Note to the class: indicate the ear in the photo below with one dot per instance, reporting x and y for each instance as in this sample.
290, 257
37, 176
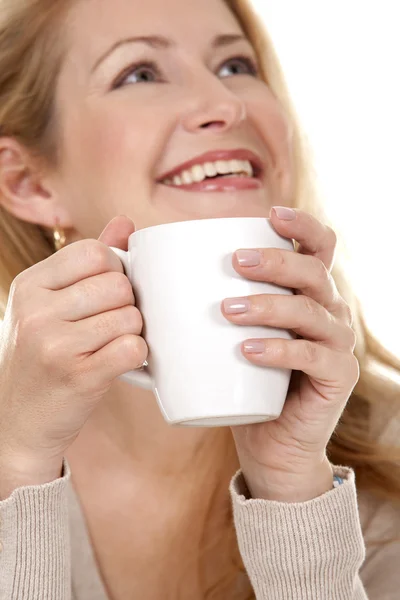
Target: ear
25, 191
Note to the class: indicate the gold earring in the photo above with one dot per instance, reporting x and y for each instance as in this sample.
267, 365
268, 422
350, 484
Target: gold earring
59, 236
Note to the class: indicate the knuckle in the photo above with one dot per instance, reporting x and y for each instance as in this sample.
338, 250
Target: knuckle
122, 320
105, 322
82, 293
310, 352
20, 289
263, 304
347, 313
275, 260
133, 318
96, 254
123, 287
135, 349
17, 283
311, 306
332, 236
278, 350
51, 352
281, 349
321, 272
30, 324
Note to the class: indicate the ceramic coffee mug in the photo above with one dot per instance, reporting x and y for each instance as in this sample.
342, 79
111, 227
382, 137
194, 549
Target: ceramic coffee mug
180, 274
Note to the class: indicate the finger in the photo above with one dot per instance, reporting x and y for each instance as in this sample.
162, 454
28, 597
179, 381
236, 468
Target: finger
92, 296
307, 274
123, 354
335, 371
93, 333
71, 264
117, 232
313, 236
301, 314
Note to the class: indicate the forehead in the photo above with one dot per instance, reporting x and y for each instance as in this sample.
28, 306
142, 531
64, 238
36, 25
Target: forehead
93, 25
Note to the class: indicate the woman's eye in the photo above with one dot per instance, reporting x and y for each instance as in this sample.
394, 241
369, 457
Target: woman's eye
148, 72
140, 73
240, 65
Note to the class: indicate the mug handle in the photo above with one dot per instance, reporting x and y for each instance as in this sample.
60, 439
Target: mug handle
140, 378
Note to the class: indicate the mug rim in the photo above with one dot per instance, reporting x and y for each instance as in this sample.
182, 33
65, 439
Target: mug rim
197, 221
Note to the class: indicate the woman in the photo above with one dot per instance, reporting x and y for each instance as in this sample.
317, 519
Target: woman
99, 497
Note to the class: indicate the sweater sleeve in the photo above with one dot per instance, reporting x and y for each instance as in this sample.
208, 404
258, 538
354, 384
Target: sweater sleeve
34, 542
302, 550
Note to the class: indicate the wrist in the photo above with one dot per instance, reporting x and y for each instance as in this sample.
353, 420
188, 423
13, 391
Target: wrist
292, 487
21, 471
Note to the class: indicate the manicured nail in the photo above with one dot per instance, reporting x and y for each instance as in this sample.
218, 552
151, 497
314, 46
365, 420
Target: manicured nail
254, 346
235, 306
248, 258
284, 213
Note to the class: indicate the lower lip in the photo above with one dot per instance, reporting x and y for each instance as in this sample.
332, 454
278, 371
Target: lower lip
223, 184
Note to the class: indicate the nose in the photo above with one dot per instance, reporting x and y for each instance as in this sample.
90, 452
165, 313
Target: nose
213, 106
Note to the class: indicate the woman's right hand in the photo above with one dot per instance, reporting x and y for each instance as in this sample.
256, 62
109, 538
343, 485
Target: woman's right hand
70, 329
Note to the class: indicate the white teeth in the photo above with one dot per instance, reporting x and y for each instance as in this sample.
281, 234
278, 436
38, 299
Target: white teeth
210, 169
187, 177
247, 167
223, 167
235, 166
177, 180
199, 173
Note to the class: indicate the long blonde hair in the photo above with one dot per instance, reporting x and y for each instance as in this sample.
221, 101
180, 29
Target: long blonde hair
30, 59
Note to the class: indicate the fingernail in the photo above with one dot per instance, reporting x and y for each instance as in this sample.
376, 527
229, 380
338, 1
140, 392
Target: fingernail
248, 258
284, 213
254, 346
235, 306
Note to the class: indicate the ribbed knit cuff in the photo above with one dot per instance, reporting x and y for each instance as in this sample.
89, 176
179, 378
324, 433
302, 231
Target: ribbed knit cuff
35, 547
302, 551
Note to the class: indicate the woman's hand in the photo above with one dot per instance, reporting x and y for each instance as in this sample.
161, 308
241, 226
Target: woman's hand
70, 328
285, 459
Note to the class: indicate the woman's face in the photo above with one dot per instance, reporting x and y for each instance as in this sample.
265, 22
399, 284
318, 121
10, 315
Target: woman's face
148, 86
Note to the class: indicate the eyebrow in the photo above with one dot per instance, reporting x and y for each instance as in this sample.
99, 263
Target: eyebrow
158, 41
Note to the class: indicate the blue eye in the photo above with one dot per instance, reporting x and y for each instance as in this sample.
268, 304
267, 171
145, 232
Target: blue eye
240, 65
144, 72
148, 71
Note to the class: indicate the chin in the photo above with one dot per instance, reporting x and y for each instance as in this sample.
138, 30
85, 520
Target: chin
183, 205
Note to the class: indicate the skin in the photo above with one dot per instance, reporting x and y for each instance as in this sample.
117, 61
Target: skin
114, 144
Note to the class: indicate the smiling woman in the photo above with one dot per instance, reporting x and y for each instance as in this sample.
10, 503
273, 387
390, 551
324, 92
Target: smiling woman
105, 113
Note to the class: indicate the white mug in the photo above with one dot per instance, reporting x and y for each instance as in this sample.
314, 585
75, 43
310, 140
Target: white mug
180, 274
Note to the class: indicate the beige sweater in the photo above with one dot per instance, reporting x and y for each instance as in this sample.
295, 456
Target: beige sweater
305, 551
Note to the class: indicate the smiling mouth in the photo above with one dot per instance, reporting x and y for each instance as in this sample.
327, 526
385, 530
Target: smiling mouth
228, 174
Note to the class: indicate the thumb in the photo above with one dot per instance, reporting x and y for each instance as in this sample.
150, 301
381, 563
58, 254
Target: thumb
117, 232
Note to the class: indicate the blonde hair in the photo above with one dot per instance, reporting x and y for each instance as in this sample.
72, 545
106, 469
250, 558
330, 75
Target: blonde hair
30, 59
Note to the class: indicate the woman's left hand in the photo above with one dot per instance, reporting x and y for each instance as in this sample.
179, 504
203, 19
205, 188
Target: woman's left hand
285, 459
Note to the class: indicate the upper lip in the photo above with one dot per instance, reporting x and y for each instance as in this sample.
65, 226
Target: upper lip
214, 155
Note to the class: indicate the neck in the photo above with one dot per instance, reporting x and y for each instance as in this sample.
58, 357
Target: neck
128, 430
127, 453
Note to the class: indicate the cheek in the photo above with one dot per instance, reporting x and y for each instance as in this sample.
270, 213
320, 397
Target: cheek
276, 131
110, 150
272, 121
112, 141
104, 140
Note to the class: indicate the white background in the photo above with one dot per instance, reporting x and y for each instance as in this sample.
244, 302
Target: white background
342, 63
